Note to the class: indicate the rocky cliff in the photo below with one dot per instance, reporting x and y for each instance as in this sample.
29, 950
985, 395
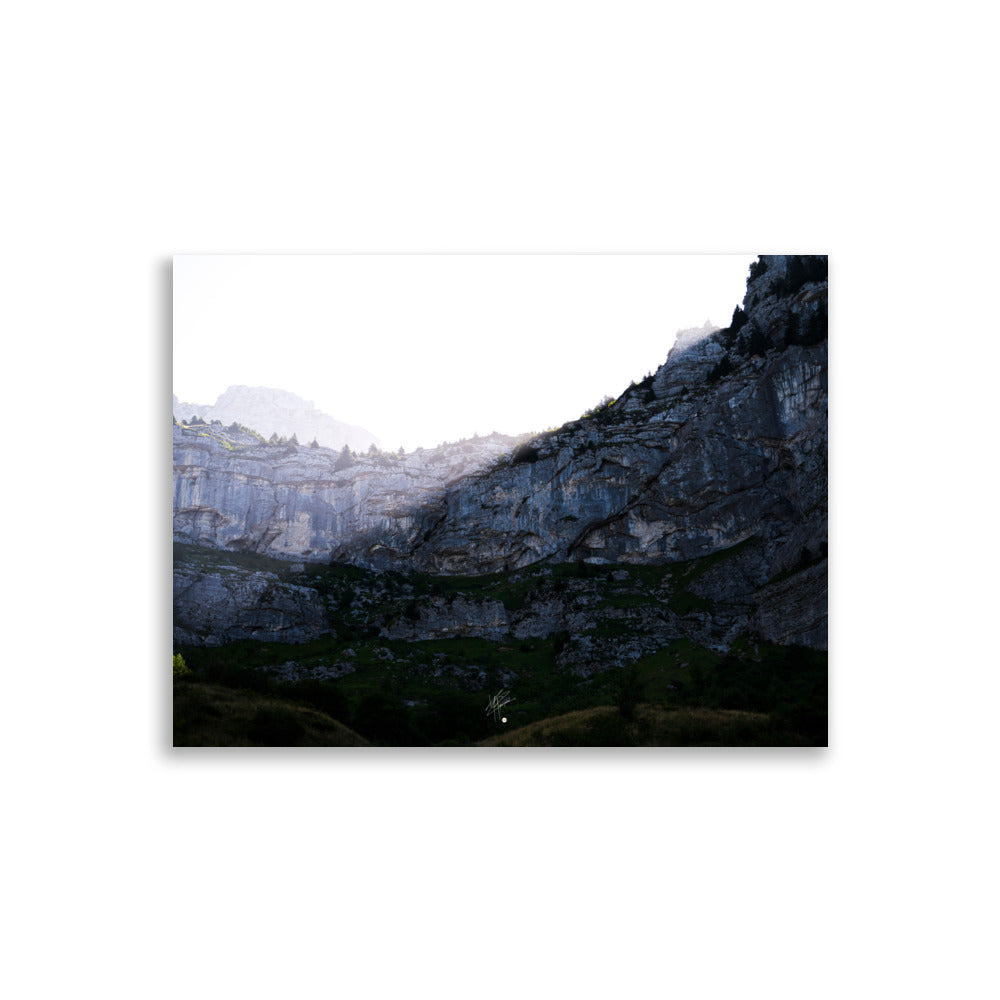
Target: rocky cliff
274, 411
717, 463
234, 492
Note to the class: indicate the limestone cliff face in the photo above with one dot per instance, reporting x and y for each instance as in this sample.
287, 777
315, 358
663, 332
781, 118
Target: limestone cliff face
235, 493
224, 605
274, 411
726, 442
723, 450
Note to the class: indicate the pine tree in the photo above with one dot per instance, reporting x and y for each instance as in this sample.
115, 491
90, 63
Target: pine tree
345, 460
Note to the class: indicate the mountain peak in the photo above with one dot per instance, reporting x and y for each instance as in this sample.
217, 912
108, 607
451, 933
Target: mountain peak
278, 411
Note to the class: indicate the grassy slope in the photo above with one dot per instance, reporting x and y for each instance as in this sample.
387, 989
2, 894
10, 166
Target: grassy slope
651, 726
207, 715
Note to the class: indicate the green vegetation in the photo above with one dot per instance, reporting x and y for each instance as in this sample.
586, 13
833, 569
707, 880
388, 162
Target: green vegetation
808, 328
739, 320
602, 409
225, 559
207, 715
801, 270
433, 691
236, 428
651, 726
344, 460
722, 368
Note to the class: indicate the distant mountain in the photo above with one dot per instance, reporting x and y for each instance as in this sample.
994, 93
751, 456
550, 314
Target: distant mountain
275, 411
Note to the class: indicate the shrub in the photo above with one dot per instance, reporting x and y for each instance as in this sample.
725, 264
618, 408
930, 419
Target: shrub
757, 268
345, 460
629, 692
384, 719
602, 408
756, 344
800, 271
326, 696
810, 329
724, 367
739, 320
181, 669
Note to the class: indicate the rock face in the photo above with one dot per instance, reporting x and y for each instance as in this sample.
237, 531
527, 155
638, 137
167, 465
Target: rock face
722, 452
235, 493
274, 411
211, 607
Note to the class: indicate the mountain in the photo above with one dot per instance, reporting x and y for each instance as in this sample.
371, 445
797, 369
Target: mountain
274, 411
678, 532
236, 492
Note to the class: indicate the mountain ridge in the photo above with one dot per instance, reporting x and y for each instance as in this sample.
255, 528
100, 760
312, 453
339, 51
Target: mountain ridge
715, 462
277, 411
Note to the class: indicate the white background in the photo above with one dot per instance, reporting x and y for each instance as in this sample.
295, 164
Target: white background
135, 131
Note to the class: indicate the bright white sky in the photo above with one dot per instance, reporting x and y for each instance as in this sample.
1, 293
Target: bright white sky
420, 349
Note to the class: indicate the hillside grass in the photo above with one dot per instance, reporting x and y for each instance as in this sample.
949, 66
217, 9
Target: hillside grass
652, 726
681, 695
210, 715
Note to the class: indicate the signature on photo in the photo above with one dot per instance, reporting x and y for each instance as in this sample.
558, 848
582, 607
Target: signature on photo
496, 703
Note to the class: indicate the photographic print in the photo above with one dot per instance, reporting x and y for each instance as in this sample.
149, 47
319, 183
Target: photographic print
456, 500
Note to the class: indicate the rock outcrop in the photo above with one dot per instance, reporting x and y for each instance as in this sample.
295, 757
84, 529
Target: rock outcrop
227, 604
236, 493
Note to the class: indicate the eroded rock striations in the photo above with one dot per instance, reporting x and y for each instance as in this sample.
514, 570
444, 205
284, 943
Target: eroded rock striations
236, 493
719, 456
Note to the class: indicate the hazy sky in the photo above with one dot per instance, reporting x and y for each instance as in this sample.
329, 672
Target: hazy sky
420, 349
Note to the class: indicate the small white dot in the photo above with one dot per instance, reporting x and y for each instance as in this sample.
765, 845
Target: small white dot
504, 719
